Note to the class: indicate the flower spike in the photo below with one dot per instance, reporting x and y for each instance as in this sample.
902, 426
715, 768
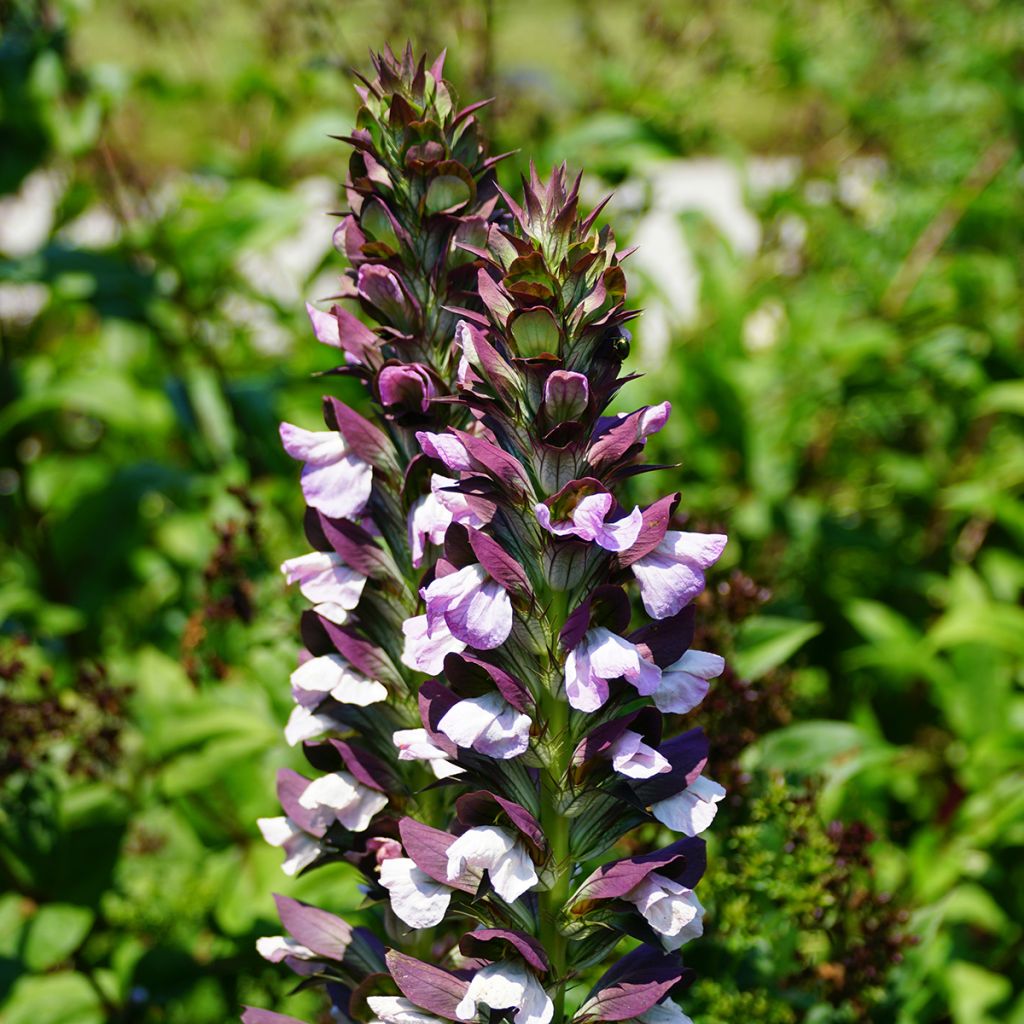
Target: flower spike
497, 639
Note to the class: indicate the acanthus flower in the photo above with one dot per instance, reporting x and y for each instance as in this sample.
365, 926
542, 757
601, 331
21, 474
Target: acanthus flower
339, 797
599, 658
692, 810
671, 909
334, 480
398, 1010
473, 529
586, 509
426, 645
331, 675
496, 851
300, 849
433, 513
419, 900
505, 986
489, 725
672, 575
632, 757
474, 608
685, 683
306, 724
324, 579
416, 745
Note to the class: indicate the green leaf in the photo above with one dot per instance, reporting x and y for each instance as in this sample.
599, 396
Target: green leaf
878, 623
209, 765
1006, 396
997, 625
766, 641
12, 918
808, 747
971, 904
65, 998
54, 933
973, 991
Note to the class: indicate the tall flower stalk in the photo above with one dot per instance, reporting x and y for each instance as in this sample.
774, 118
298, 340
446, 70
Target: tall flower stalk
495, 640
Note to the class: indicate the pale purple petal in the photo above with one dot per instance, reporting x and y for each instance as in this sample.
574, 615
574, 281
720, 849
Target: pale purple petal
457, 504
507, 985
300, 849
398, 1010
647, 677
636, 759
415, 745
490, 848
589, 514
684, 684
323, 577
275, 948
338, 489
334, 481
563, 528
447, 448
447, 592
672, 575
610, 655
425, 650
318, 446
588, 522
325, 326
703, 549
693, 810
332, 612
485, 621
476, 609
621, 534
584, 690
670, 908
652, 419
600, 657
428, 521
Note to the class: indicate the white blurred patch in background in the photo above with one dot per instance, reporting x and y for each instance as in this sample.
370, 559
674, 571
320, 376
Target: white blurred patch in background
715, 188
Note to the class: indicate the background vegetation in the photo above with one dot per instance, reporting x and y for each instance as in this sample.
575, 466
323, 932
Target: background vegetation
829, 199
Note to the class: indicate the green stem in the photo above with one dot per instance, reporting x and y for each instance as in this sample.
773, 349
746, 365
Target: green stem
554, 822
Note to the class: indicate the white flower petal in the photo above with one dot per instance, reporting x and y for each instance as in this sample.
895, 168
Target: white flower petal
332, 674
399, 1010
691, 811
303, 724
339, 797
276, 947
416, 898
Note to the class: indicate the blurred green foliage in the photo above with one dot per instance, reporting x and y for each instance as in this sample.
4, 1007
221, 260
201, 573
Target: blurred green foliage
829, 197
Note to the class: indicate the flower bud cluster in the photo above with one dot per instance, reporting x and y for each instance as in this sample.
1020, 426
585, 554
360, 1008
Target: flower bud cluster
480, 699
